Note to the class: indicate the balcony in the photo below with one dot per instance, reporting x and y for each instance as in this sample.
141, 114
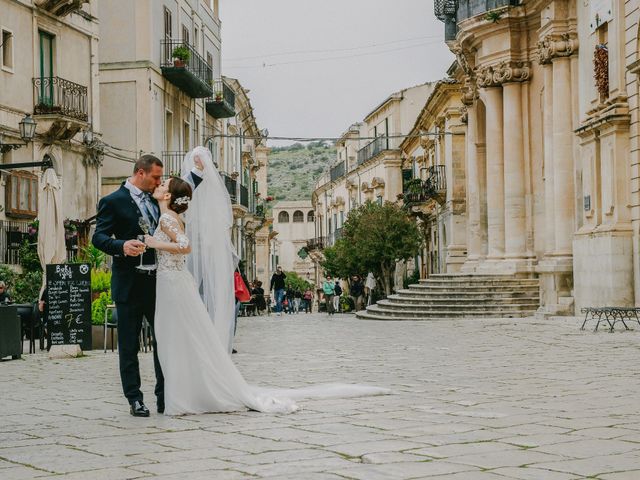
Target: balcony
186, 69
372, 149
231, 185
452, 12
172, 162
223, 102
62, 107
60, 8
433, 188
337, 171
317, 243
244, 196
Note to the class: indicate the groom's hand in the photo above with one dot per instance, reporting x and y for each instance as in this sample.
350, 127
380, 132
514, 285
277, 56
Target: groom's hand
133, 248
198, 163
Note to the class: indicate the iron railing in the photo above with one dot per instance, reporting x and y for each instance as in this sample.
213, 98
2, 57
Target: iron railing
436, 181
244, 196
194, 63
231, 185
317, 243
12, 235
55, 95
337, 171
223, 93
372, 149
172, 162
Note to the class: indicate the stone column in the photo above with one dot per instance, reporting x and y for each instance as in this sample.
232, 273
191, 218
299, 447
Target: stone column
514, 172
549, 203
563, 187
495, 173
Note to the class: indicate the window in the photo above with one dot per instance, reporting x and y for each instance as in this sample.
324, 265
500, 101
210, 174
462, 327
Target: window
196, 36
6, 50
22, 195
46, 69
168, 131
186, 136
209, 59
283, 217
298, 216
310, 216
185, 35
168, 24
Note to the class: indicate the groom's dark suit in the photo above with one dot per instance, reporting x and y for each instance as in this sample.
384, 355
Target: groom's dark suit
133, 291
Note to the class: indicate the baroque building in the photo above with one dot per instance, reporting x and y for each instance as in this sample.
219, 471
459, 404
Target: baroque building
48, 75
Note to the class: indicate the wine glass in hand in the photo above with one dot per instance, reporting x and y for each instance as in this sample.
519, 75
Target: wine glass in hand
144, 226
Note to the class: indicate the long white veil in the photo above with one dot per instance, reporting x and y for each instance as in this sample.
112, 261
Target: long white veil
213, 259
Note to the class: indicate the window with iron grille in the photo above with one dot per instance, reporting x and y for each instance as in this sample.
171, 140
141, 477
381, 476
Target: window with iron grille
21, 195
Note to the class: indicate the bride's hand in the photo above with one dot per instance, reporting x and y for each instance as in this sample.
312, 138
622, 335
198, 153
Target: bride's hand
198, 163
150, 241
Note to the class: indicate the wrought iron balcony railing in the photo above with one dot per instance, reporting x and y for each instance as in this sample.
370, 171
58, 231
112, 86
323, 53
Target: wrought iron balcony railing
317, 243
223, 102
57, 96
186, 69
434, 187
337, 171
231, 185
244, 196
452, 12
372, 149
172, 163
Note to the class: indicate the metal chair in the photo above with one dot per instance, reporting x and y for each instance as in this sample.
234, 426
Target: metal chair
113, 324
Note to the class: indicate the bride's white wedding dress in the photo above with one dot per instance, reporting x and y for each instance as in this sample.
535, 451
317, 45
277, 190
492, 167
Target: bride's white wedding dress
199, 374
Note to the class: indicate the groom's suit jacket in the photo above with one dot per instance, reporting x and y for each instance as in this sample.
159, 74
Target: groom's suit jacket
117, 222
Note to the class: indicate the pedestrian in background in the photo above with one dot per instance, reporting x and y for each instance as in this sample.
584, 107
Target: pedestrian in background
328, 288
337, 289
307, 298
370, 286
277, 287
357, 292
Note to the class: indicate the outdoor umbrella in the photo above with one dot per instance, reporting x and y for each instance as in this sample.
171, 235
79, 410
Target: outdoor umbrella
51, 245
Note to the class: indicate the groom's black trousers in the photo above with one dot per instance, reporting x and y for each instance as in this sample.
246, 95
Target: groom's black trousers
141, 302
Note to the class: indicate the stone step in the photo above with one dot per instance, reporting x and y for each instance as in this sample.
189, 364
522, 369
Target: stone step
458, 314
460, 295
478, 309
464, 284
459, 301
471, 289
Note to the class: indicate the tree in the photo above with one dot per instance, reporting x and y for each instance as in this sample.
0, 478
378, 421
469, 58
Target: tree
374, 238
294, 281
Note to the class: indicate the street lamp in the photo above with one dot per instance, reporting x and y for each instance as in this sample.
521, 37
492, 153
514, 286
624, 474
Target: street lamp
27, 128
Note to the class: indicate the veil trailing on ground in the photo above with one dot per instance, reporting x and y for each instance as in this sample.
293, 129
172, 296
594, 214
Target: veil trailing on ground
213, 259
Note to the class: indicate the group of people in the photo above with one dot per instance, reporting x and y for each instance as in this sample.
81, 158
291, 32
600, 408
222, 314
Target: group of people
287, 299
358, 291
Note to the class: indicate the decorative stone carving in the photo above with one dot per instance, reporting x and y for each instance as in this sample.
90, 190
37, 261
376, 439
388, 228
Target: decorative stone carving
464, 114
505, 72
463, 61
469, 91
556, 45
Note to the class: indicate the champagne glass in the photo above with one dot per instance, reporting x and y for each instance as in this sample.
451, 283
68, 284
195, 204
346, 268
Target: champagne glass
144, 226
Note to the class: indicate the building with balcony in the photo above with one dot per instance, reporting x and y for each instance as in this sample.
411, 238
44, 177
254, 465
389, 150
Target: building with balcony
293, 221
48, 70
368, 166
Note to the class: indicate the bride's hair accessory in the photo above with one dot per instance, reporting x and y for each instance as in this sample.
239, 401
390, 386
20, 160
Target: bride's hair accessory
182, 200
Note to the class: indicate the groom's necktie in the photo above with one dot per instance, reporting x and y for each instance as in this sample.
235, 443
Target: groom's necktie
148, 211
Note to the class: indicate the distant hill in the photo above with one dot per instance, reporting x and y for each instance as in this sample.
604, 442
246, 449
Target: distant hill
293, 170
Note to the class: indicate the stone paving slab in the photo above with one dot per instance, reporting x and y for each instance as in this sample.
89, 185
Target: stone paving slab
522, 399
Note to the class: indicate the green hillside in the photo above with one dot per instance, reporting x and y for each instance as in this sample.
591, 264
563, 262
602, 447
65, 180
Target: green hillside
293, 170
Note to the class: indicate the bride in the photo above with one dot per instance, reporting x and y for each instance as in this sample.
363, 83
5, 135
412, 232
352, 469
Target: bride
194, 335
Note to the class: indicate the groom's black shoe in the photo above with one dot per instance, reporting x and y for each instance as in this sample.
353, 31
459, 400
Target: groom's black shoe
138, 409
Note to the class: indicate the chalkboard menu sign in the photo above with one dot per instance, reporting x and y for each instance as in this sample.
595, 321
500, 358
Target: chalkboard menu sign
69, 304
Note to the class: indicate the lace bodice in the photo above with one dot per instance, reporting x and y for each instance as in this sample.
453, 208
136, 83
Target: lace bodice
168, 261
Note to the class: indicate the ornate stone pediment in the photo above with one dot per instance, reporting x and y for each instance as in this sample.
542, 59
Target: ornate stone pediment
556, 45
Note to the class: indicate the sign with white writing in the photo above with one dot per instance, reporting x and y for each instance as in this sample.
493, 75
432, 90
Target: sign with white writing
69, 304
600, 13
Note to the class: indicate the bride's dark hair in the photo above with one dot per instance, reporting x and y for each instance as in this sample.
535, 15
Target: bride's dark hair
179, 190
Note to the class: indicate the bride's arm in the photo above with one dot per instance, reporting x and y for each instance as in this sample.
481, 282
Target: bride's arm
179, 241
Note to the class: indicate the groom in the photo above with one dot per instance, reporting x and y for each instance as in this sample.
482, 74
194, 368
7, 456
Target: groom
134, 290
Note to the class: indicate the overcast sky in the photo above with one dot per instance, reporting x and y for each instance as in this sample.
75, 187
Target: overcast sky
298, 86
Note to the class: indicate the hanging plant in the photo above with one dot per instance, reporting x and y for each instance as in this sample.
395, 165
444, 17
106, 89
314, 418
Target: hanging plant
601, 69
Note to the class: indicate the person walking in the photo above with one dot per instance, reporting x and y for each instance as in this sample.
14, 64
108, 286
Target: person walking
370, 286
297, 300
308, 299
337, 289
277, 287
357, 292
328, 288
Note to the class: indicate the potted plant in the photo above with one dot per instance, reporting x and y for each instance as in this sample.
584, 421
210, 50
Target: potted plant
218, 95
181, 55
98, 308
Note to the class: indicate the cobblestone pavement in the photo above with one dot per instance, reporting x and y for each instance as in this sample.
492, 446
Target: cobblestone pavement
475, 399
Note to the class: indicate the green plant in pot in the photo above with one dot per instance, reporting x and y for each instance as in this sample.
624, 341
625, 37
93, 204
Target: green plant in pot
181, 55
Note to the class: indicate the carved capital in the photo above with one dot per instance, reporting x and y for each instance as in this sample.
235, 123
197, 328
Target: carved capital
464, 114
496, 75
462, 57
556, 45
469, 91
